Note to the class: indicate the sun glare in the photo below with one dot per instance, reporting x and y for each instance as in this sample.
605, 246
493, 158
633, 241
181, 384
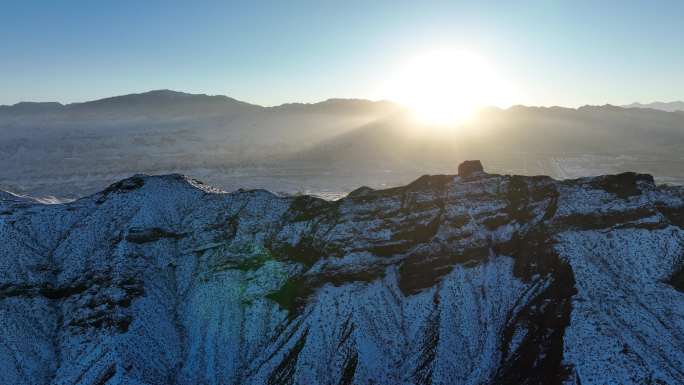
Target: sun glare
446, 87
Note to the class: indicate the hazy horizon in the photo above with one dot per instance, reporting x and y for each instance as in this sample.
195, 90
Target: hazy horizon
440, 65
270, 54
322, 149
636, 103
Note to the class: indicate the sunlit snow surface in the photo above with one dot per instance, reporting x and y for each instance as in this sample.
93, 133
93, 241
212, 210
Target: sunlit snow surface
161, 280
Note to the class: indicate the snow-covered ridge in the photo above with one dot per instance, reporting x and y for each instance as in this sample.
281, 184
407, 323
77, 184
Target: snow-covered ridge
8, 196
470, 279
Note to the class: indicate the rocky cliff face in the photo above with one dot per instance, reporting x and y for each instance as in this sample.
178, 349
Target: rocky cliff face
478, 279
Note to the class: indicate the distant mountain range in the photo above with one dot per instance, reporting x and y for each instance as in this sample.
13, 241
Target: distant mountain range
526, 140
174, 102
68, 150
663, 106
89, 144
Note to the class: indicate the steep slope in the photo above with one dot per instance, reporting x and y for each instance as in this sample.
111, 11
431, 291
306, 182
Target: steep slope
471, 279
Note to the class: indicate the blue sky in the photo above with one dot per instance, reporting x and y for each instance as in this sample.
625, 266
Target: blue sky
554, 52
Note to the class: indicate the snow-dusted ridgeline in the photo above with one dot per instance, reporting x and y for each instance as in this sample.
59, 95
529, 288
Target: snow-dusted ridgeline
477, 279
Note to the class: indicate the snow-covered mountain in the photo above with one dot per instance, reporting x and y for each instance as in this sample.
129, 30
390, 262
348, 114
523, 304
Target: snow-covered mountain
473, 278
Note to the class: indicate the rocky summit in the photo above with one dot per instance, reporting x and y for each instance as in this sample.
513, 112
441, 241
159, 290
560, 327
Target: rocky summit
469, 167
477, 279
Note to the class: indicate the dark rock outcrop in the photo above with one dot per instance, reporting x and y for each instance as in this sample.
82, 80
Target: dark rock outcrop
469, 167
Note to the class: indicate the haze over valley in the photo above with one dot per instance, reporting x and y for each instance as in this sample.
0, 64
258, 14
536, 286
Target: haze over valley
327, 148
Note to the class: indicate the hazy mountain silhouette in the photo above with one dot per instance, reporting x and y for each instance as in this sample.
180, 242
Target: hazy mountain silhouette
589, 129
522, 139
180, 103
663, 106
23, 108
162, 131
51, 148
158, 103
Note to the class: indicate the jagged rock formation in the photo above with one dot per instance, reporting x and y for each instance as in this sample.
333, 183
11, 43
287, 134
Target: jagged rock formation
490, 279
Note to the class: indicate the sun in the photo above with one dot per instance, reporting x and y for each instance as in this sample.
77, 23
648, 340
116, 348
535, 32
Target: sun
445, 87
